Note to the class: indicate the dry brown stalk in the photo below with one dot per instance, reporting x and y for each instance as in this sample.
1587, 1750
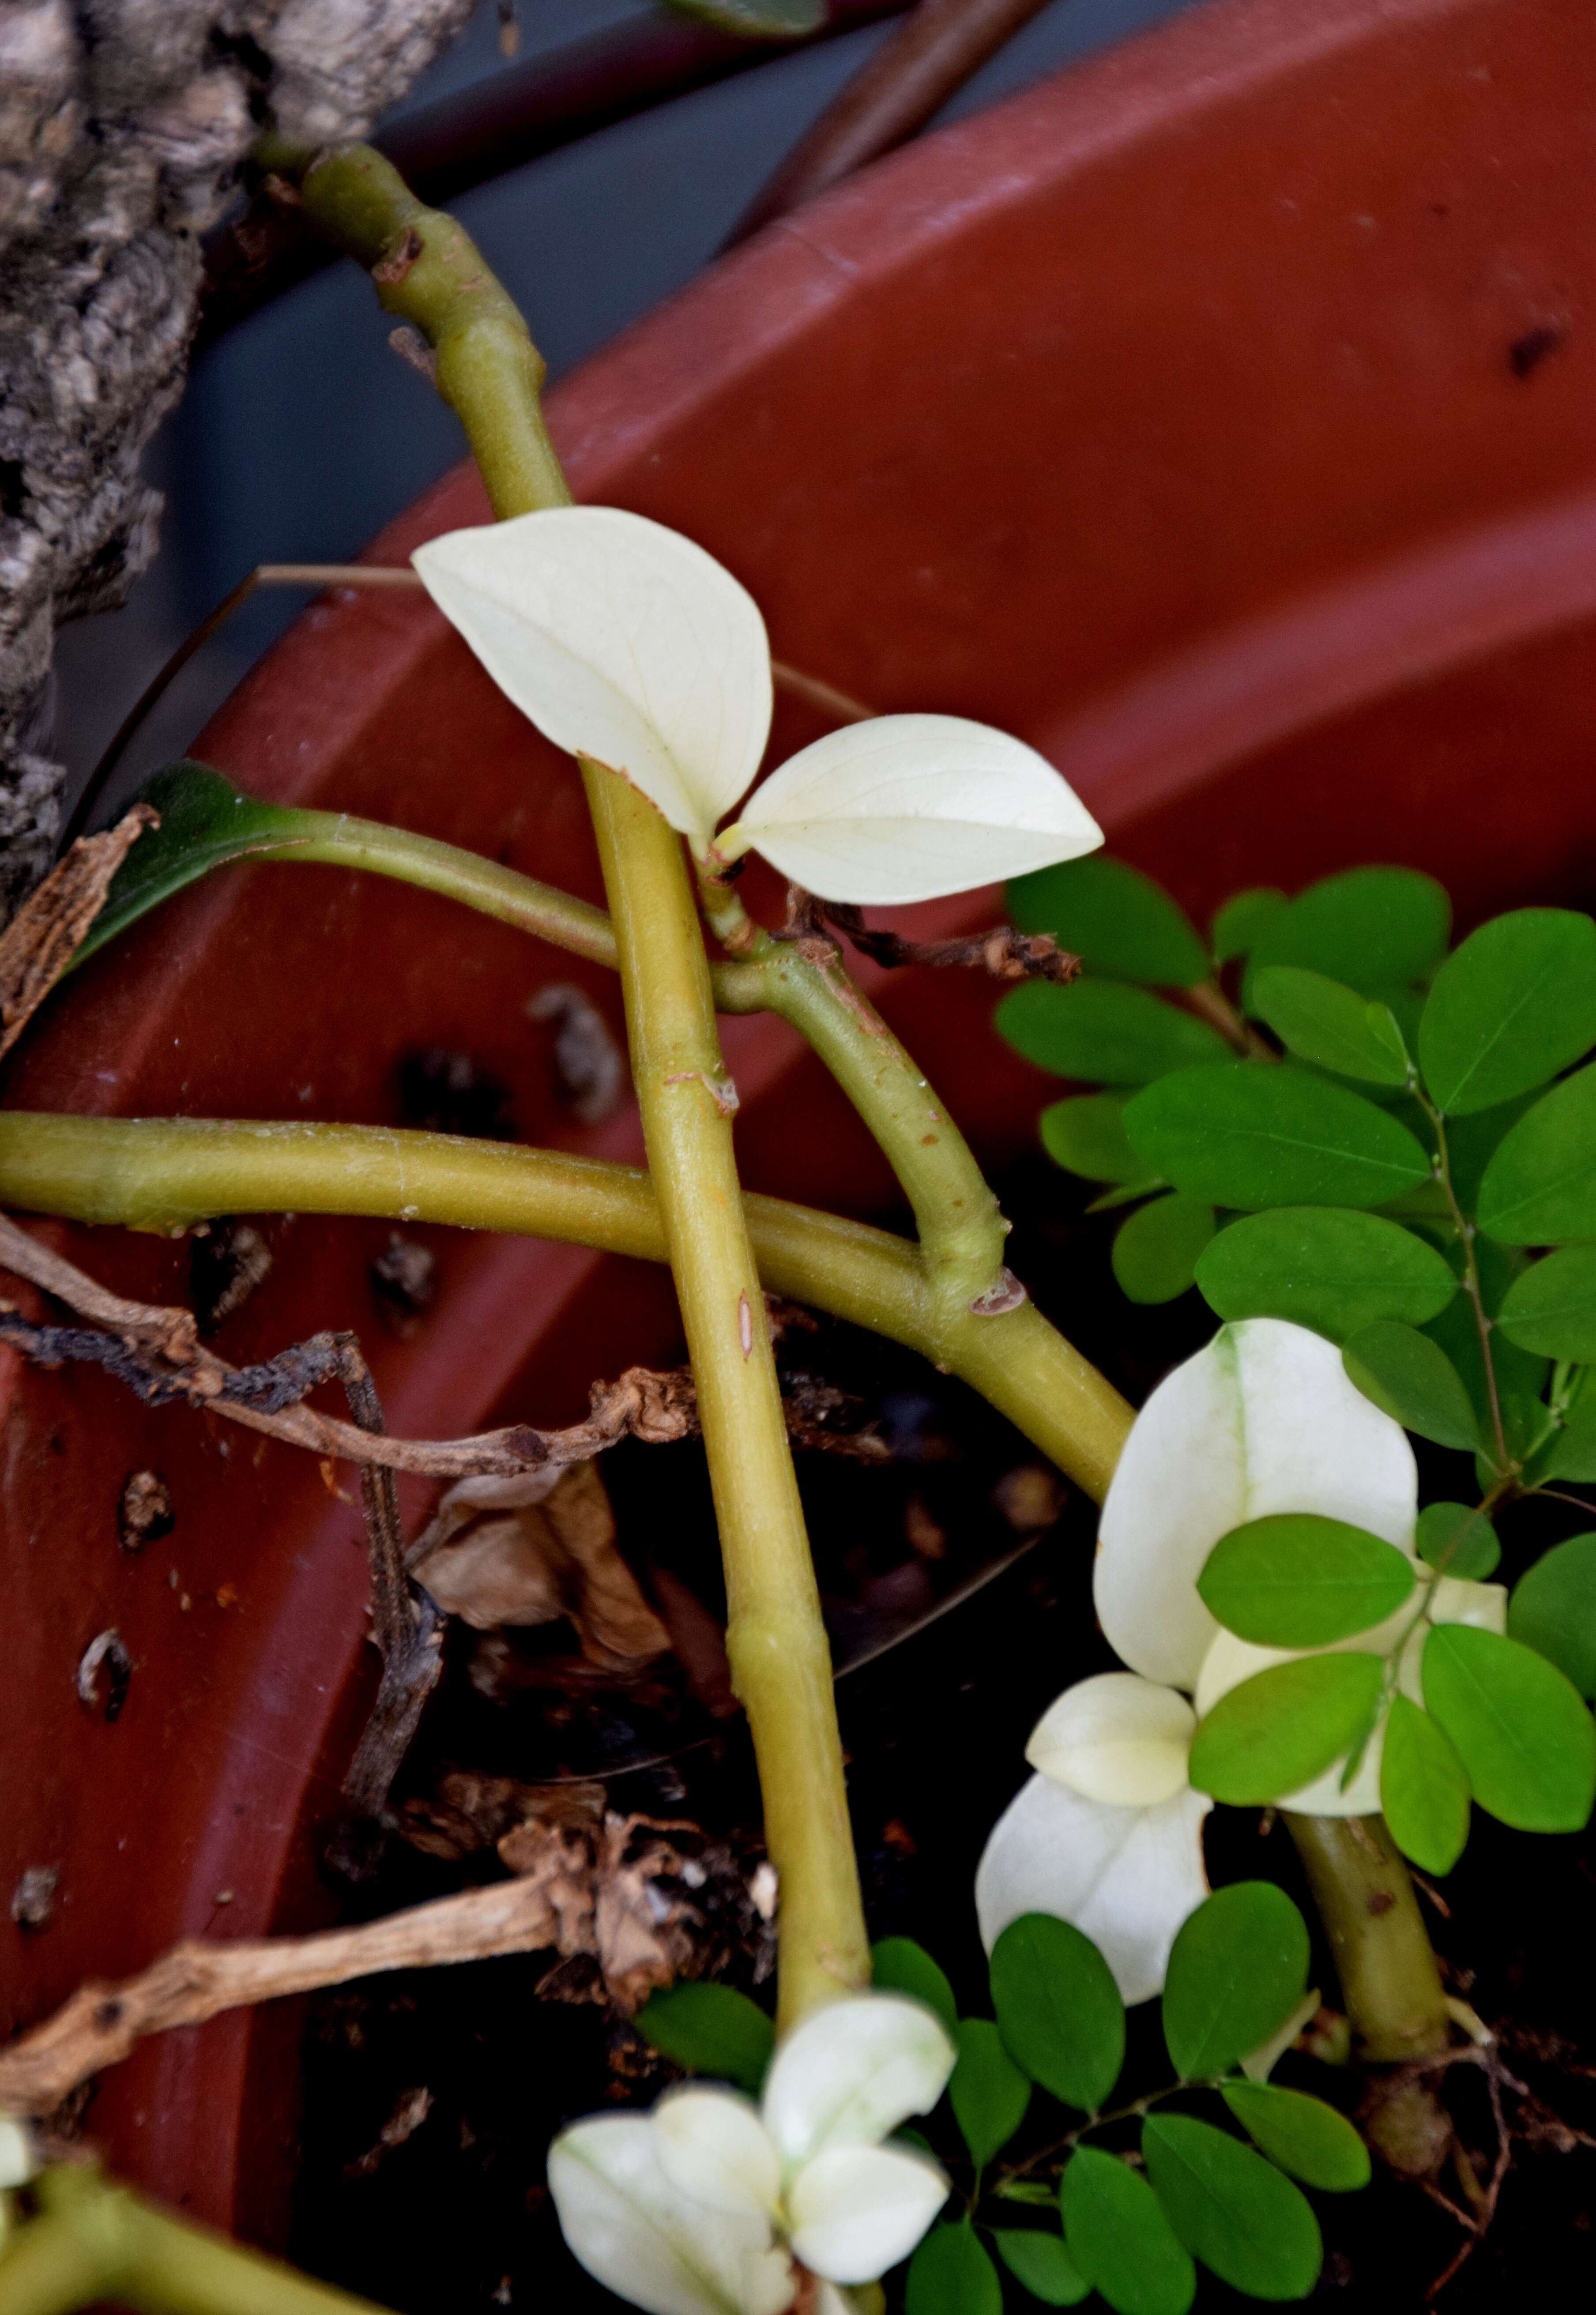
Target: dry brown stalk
38, 945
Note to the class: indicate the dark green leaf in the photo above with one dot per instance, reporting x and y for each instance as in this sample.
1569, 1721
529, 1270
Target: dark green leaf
1472, 1142
1413, 1378
1240, 1135
1553, 1609
1231, 2209
899, 1965
1570, 1454
1285, 1726
759, 20
1241, 922
1116, 2234
711, 2030
1513, 1006
1521, 1376
951, 2275
1331, 1025
1059, 2009
1085, 1135
1424, 1788
989, 2093
1522, 1733
1296, 1580
1237, 1970
1115, 919
1155, 1250
1325, 1267
1539, 1189
1302, 2135
1103, 1032
1040, 2262
1026, 2190
1551, 1308
205, 822
1372, 927
1457, 1539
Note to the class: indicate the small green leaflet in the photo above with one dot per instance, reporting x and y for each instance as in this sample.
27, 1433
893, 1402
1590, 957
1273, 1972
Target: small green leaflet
1302, 2135
1424, 1788
1330, 1024
758, 20
1524, 1737
1154, 1252
205, 822
1375, 928
1551, 1306
1295, 1580
951, 2275
1042, 2264
1472, 1142
1539, 1188
711, 2030
1413, 1378
1521, 1376
1512, 1007
1103, 1032
989, 2094
1239, 1135
1117, 2235
1553, 1609
1280, 1729
1242, 921
899, 1965
1116, 920
1232, 2210
1085, 1135
1457, 1540
1058, 2010
1571, 1453
1326, 1267
1237, 1969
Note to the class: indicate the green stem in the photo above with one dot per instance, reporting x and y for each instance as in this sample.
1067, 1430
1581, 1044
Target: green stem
1471, 1275
1365, 1895
775, 1639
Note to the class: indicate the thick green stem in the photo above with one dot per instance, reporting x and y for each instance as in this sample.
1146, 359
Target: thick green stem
1387, 1970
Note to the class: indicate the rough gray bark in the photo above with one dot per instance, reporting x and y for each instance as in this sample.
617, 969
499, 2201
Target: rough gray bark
122, 124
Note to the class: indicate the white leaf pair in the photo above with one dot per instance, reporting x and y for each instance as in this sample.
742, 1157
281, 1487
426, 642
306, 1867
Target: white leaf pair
700, 2207
1108, 1834
625, 643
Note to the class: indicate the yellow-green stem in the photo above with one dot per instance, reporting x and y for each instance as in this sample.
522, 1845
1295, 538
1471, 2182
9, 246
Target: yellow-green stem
1388, 1976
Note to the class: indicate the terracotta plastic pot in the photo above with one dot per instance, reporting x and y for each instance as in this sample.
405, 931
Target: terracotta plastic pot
1221, 416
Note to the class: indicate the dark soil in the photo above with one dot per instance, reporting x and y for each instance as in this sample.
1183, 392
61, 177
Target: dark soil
454, 2215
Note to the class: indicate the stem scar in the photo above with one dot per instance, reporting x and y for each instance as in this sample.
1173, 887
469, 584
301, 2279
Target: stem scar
745, 1325
720, 1089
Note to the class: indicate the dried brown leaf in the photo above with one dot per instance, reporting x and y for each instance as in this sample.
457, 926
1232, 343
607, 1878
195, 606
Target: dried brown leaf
38, 945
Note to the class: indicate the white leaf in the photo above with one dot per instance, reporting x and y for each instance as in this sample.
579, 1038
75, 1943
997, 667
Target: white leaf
640, 2236
1116, 1738
910, 807
1263, 1420
713, 2146
1260, 2062
856, 2211
622, 641
19, 2156
1126, 1877
852, 2072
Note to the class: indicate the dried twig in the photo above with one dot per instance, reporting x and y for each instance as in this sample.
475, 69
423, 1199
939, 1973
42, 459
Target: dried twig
1003, 953
38, 945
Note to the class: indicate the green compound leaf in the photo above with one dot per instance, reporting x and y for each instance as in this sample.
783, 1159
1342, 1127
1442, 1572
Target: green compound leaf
1116, 2234
1085, 1135
1058, 2010
1240, 924
1424, 1788
1458, 1540
1325, 1267
1302, 2135
1512, 1007
1553, 1609
1154, 1252
1295, 1580
1374, 928
758, 20
1237, 1968
1551, 1306
899, 1965
1413, 1378
1042, 2264
1231, 2209
205, 822
1103, 1032
950, 2273
989, 2093
1285, 1726
710, 2030
1116, 920
1239, 1135
1525, 1739
1539, 1188
1330, 1024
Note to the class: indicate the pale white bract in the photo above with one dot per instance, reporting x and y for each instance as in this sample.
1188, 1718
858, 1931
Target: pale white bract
700, 2207
625, 643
